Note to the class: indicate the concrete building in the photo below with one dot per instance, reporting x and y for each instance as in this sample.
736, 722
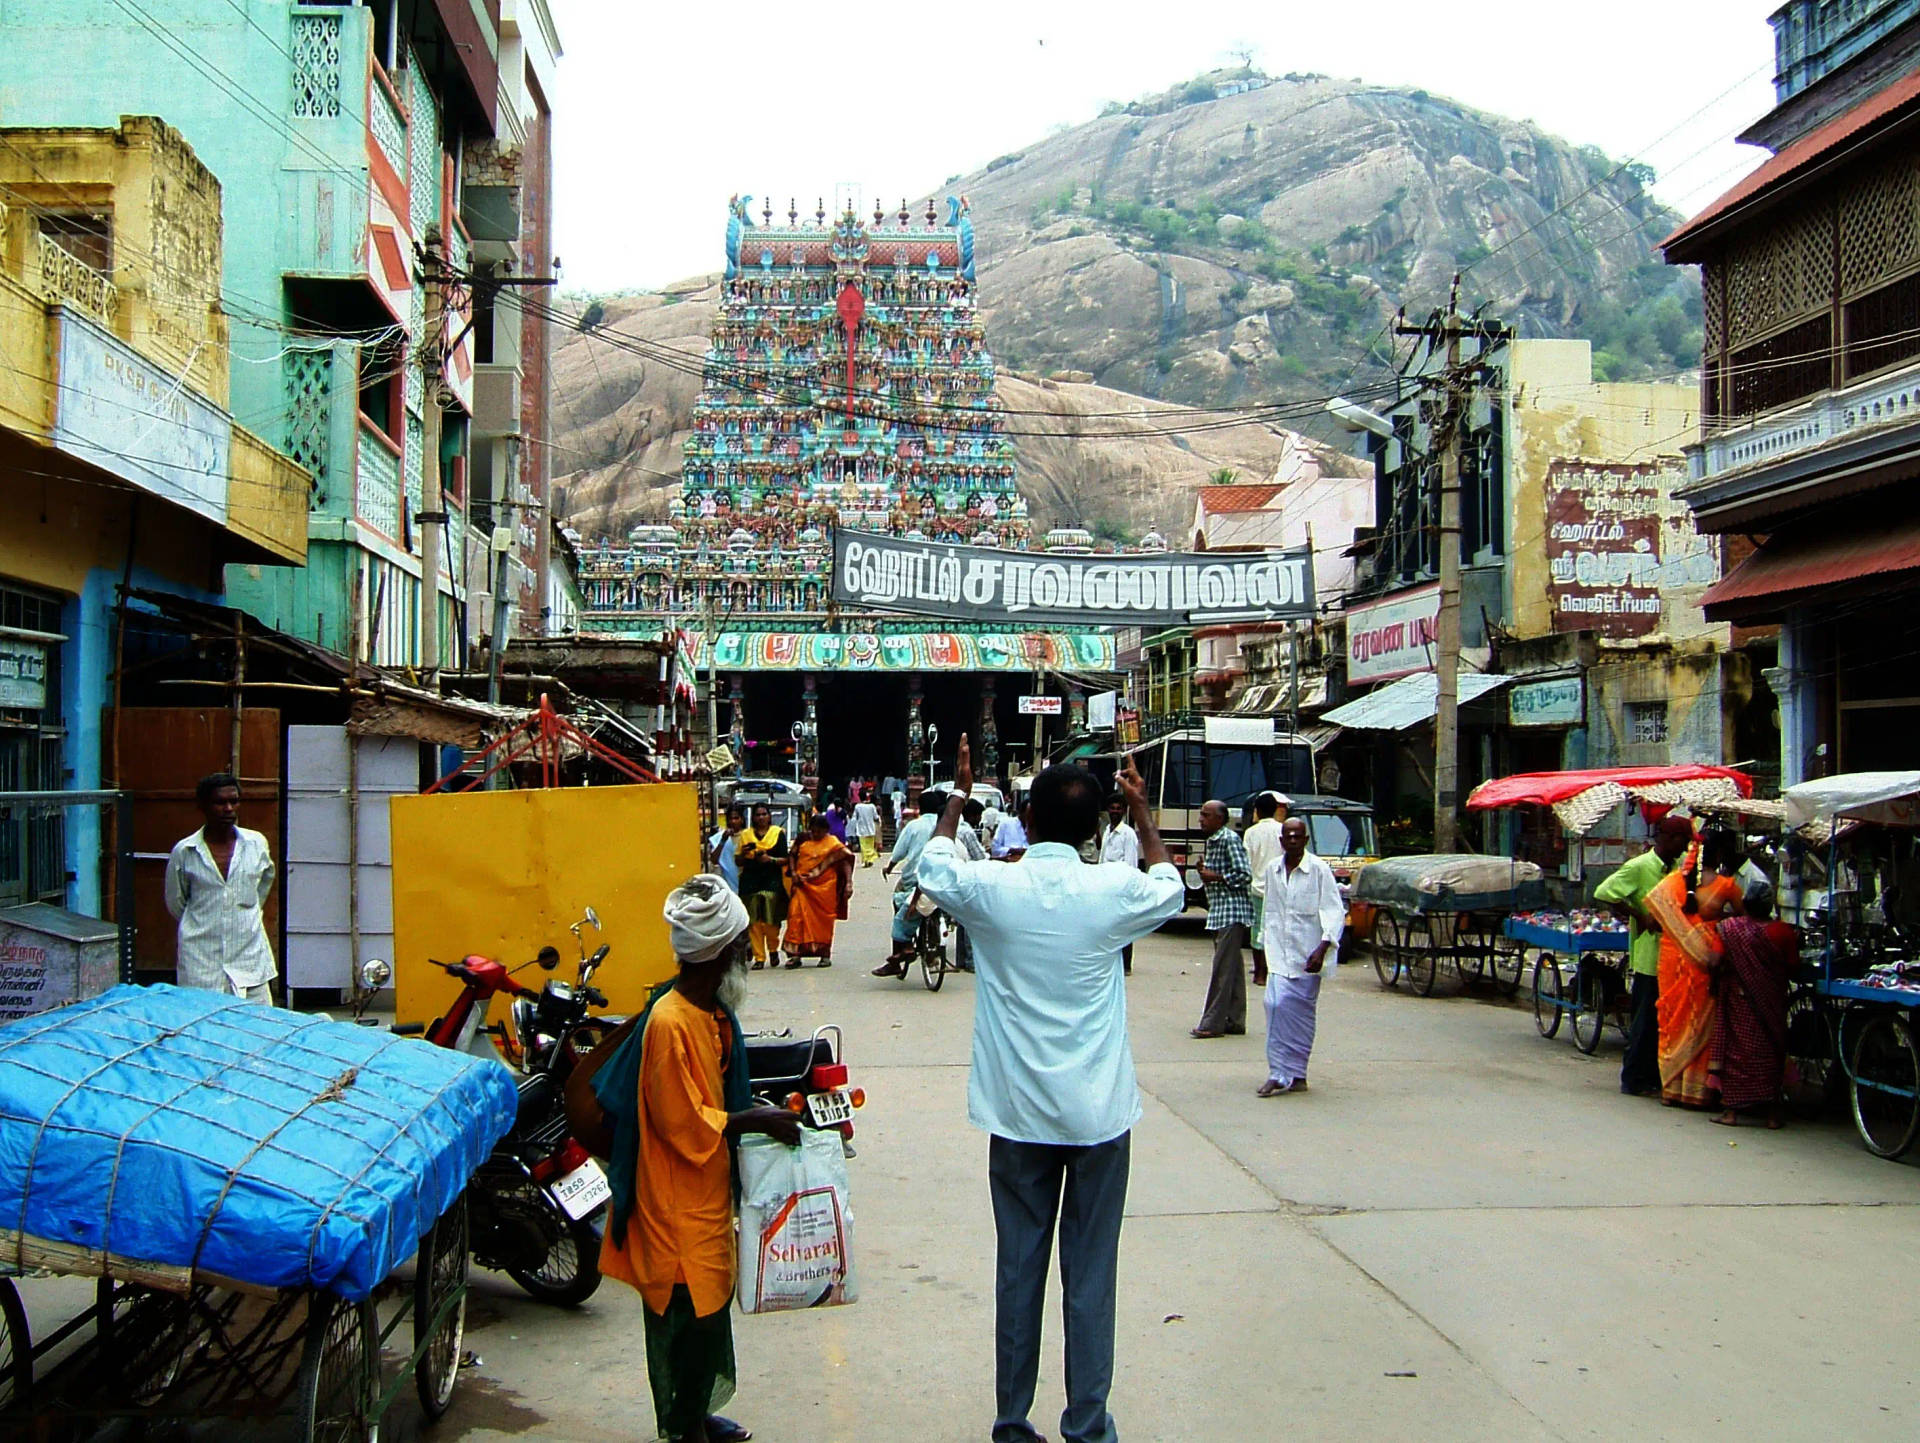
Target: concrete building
122, 462
1582, 577
1810, 271
342, 134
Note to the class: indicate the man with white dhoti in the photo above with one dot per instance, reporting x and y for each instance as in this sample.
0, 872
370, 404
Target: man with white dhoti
1305, 917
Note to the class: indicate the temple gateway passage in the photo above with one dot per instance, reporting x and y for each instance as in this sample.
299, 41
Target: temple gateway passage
848, 381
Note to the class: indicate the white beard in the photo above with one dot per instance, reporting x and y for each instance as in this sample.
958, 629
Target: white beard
733, 987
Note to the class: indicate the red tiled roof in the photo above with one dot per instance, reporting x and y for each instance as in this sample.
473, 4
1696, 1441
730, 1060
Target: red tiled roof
1813, 146
1792, 564
1238, 498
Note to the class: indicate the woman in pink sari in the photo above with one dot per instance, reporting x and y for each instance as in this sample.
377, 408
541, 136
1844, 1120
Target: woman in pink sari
1687, 904
1750, 1031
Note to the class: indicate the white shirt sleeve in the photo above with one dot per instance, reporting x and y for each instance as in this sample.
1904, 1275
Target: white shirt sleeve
175, 885
1333, 912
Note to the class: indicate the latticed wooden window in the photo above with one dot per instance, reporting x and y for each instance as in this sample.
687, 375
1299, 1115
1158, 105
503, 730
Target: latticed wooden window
1788, 367
308, 374
316, 66
1879, 222
1883, 327
1779, 275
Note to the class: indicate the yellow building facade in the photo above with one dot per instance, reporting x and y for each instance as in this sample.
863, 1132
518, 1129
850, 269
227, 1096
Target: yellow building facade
120, 462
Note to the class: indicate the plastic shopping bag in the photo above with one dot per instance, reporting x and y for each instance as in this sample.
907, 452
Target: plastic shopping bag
796, 1229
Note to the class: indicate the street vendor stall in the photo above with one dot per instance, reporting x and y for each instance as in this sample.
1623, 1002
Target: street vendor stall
1593, 991
243, 1182
1446, 908
1868, 930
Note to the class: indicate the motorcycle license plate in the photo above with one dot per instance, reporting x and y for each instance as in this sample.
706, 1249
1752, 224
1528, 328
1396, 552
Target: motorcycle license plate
583, 1189
830, 1108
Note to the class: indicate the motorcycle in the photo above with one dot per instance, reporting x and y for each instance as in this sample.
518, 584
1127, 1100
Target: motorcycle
807, 1078
537, 1203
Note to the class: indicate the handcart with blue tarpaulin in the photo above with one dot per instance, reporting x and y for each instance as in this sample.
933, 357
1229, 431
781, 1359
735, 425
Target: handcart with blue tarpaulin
244, 1183
1867, 927
1447, 908
1581, 965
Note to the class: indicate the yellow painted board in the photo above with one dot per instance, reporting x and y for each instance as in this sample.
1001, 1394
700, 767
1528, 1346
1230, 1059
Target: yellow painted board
505, 873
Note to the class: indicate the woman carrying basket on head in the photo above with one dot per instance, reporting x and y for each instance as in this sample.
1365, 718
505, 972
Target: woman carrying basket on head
1686, 905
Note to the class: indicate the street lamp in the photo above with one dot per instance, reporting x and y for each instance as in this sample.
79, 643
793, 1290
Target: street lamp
933, 737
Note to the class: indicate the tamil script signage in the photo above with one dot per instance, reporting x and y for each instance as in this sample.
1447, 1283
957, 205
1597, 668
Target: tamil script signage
118, 411
23, 674
983, 584
1041, 705
1620, 547
1393, 637
1559, 701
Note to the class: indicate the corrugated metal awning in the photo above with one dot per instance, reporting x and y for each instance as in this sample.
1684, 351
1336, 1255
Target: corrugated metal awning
1795, 564
1408, 701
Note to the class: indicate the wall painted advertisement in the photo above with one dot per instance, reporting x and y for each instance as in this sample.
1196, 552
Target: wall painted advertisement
1620, 547
1393, 637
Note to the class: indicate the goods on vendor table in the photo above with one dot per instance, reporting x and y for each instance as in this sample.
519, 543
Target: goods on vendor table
1895, 976
1578, 920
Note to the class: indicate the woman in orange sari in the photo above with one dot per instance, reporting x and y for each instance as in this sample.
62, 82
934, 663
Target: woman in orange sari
822, 869
1687, 904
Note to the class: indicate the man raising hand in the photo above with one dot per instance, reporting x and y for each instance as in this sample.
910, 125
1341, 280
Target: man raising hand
1052, 1080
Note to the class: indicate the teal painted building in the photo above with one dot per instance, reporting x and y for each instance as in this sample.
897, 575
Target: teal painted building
339, 133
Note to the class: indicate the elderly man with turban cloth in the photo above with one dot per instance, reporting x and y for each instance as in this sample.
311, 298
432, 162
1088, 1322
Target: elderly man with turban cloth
678, 1101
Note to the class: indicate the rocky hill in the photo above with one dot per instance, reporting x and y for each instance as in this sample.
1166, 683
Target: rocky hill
1240, 237
1237, 239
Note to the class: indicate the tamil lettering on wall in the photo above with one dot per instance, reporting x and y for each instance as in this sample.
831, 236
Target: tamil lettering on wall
1619, 545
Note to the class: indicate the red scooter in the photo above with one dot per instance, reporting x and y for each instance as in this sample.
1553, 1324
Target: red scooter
536, 1204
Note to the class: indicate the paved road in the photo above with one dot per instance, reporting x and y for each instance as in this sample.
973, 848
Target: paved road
1462, 1232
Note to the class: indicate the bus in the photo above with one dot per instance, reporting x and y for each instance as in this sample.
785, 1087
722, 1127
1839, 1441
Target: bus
1227, 760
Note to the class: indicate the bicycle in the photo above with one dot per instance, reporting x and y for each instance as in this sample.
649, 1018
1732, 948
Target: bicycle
929, 943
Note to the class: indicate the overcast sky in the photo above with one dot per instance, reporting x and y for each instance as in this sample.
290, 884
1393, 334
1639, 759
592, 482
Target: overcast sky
666, 108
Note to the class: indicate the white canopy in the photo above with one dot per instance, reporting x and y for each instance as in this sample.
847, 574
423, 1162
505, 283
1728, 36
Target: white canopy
1889, 798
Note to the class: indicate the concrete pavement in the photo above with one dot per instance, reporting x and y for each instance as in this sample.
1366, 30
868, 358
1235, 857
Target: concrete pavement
1462, 1232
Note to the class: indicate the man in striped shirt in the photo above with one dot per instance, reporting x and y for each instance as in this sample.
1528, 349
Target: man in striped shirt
1228, 877
217, 885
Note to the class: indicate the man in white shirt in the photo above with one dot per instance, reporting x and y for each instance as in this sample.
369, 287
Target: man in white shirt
1305, 918
216, 886
1121, 843
1052, 1079
864, 827
1262, 841
1010, 837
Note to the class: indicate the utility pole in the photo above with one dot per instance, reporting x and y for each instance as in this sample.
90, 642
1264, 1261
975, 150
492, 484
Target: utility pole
1450, 437
433, 517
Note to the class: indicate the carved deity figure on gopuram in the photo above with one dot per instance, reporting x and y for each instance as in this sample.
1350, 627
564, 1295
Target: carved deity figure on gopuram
847, 381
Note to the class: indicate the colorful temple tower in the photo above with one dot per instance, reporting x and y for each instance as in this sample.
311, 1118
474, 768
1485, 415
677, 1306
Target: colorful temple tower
847, 383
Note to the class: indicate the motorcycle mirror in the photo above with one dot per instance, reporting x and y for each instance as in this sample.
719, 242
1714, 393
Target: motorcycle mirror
548, 959
375, 973
593, 919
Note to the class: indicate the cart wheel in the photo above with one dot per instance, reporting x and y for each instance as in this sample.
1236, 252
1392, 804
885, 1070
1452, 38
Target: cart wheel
144, 1338
1886, 1086
1386, 948
1509, 962
1810, 1045
339, 1371
1546, 994
1589, 1005
440, 1282
16, 1349
1421, 961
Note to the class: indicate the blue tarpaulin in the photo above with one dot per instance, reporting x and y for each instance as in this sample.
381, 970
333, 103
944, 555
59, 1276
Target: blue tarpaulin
160, 1128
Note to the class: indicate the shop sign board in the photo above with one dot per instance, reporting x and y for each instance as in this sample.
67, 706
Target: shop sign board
986, 584
1559, 701
1393, 637
23, 674
118, 411
1101, 710
1042, 705
1619, 546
